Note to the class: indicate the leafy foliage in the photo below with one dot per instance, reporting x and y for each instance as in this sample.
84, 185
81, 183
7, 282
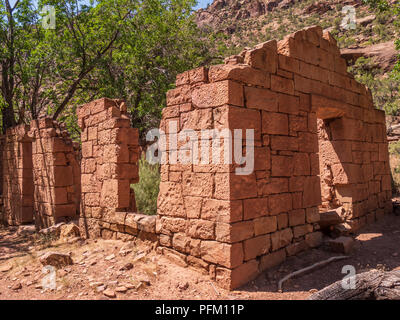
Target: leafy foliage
161, 41
384, 88
130, 49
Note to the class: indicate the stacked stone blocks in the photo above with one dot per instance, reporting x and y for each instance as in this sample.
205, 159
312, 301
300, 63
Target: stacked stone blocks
17, 176
56, 172
233, 226
110, 154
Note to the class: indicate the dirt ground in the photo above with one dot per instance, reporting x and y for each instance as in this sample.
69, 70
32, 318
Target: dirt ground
133, 270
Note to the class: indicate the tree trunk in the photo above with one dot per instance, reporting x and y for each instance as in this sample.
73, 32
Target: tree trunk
371, 285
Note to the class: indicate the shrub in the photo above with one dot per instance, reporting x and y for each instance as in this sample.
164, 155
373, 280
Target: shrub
394, 147
146, 190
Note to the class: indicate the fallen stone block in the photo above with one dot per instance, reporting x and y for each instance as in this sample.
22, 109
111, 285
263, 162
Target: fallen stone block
26, 230
342, 229
341, 244
53, 230
56, 259
69, 231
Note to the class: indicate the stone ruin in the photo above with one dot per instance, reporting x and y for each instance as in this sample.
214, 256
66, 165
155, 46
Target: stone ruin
110, 155
319, 145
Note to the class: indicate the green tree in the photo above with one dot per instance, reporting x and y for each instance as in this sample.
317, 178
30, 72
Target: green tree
386, 89
130, 49
160, 41
44, 67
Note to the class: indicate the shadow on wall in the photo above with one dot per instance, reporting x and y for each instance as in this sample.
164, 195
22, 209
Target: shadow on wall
41, 175
56, 173
17, 177
354, 163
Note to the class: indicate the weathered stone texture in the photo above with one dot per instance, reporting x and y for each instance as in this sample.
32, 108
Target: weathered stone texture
17, 176
241, 225
110, 155
41, 175
56, 173
319, 144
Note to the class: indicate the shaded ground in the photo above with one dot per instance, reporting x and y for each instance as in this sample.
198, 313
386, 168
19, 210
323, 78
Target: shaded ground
97, 266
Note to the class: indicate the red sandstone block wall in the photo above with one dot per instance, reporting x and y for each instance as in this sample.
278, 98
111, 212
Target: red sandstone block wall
56, 172
17, 177
234, 227
110, 154
2, 141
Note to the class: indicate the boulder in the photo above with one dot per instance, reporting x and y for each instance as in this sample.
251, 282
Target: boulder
341, 244
26, 230
384, 54
56, 259
330, 218
366, 20
69, 231
53, 230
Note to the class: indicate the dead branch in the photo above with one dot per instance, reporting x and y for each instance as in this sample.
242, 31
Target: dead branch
371, 285
310, 268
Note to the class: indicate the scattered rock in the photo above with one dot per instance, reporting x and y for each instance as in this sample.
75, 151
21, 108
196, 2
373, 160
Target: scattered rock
70, 230
139, 256
342, 229
109, 293
72, 240
183, 286
16, 286
96, 284
56, 259
101, 288
121, 289
384, 54
125, 252
366, 20
126, 267
145, 281
341, 244
110, 257
6, 267
129, 286
91, 263
54, 230
26, 230
318, 7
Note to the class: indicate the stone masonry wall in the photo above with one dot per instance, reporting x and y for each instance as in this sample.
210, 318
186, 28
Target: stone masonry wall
56, 172
110, 154
2, 141
17, 177
235, 226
